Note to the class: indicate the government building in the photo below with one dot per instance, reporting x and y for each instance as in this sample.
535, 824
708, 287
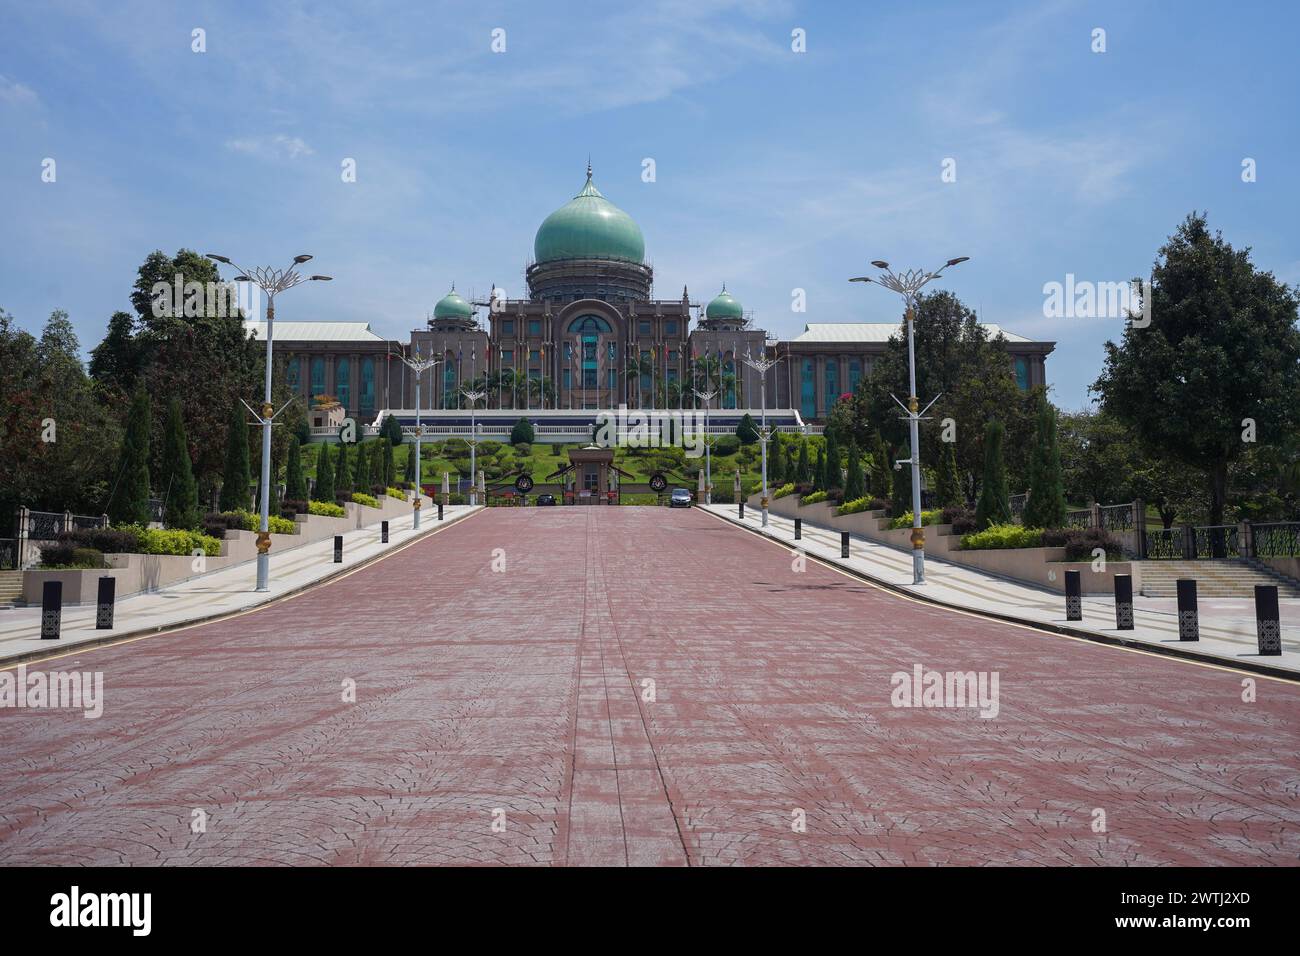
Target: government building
591, 335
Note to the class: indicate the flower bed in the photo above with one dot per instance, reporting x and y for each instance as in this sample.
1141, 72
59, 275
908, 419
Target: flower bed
905, 519
363, 499
326, 509
999, 536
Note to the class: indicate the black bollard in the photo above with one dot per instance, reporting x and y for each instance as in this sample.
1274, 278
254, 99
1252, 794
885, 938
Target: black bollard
844, 544
439, 510
1124, 602
742, 511
1268, 622
383, 532
798, 529
338, 549
104, 605
1073, 596
1189, 626
51, 610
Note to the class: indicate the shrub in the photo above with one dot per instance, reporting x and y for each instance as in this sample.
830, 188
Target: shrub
726, 445
397, 493
66, 554
783, 491
1080, 542
857, 505
363, 499
104, 540
815, 498
173, 541
905, 519
296, 506
251, 521
522, 433
1001, 536
326, 509
953, 513
964, 525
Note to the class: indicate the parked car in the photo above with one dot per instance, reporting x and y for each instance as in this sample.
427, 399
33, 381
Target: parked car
545, 500
681, 498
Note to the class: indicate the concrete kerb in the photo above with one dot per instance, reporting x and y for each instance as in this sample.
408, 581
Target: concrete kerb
1176, 652
27, 657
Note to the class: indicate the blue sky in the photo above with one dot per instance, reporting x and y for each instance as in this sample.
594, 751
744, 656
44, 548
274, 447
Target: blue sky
775, 170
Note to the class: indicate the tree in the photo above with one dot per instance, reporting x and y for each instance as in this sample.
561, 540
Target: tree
1220, 359
235, 478
746, 431
115, 362
376, 464
342, 475
392, 430
882, 478
129, 501
180, 492
409, 475
295, 486
361, 468
831, 477
803, 474
854, 486
947, 479
1046, 505
994, 505
776, 461
522, 433
390, 465
324, 490
819, 471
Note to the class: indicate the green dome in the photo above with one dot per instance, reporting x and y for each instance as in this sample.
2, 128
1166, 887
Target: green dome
452, 306
723, 306
589, 226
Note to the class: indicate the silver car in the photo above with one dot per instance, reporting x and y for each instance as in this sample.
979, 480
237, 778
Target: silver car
681, 498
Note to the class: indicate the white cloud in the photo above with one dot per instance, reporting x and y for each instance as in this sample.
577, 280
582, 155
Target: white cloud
278, 146
15, 93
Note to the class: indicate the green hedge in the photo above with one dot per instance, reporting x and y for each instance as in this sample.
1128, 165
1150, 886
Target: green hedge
905, 519
858, 505
815, 498
783, 491
370, 501
252, 522
1000, 536
326, 509
174, 541
397, 493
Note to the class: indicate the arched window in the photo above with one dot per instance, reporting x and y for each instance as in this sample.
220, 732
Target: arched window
341, 383
589, 324
808, 392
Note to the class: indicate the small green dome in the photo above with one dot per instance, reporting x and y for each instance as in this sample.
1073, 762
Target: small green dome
724, 306
452, 306
589, 226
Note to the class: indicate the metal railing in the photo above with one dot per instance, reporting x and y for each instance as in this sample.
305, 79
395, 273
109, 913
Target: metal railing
1079, 519
9, 554
1279, 539
1206, 542
1118, 517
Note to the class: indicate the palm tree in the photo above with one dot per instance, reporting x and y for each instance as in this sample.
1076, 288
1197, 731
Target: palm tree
636, 368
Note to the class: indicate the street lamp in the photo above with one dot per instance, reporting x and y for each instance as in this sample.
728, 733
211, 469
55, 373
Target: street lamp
908, 284
473, 443
419, 366
707, 397
761, 365
272, 282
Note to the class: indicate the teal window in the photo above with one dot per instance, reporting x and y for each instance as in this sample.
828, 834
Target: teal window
291, 374
729, 377
855, 375
643, 328
507, 326
533, 355
589, 323
508, 357
807, 391
832, 382
318, 375
612, 384
534, 326
1022, 373
367, 385
670, 327
568, 381
341, 384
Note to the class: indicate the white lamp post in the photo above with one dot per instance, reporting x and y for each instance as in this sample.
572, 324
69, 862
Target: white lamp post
271, 282
908, 284
473, 398
707, 397
761, 365
419, 366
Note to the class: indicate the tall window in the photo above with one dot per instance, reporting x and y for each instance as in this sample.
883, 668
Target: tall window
729, 376
449, 382
855, 375
832, 383
1022, 373
367, 387
534, 326
291, 373
317, 375
341, 384
645, 379
808, 391
507, 326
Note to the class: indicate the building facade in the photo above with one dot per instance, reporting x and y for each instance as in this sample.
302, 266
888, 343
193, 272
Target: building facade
592, 335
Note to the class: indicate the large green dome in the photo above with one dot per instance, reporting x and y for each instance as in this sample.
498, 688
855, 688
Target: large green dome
724, 306
589, 226
452, 306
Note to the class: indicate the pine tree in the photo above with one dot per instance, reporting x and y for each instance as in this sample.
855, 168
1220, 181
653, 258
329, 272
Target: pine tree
994, 505
342, 474
390, 464
324, 490
179, 486
1046, 505
129, 503
376, 464
882, 477
361, 469
295, 486
832, 477
854, 486
819, 471
948, 483
747, 431
803, 474
409, 474
235, 478
776, 462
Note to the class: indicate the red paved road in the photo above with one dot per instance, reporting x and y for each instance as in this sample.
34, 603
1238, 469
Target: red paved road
521, 691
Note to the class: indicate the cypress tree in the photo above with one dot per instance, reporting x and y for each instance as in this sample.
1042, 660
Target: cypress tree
361, 469
882, 477
832, 477
803, 474
1046, 505
994, 505
182, 507
390, 466
948, 480
776, 462
854, 486
324, 490
235, 479
819, 471
376, 464
342, 475
747, 431
295, 485
129, 503
409, 474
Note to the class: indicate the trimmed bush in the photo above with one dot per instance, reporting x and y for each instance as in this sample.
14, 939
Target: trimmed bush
68, 555
326, 509
1079, 543
1000, 536
104, 540
783, 491
993, 507
296, 506
397, 493
815, 498
905, 519
858, 505
364, 499
177, 541
522, 433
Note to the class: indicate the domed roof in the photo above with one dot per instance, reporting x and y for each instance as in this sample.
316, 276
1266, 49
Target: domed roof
452, 306
724, 306
589, 226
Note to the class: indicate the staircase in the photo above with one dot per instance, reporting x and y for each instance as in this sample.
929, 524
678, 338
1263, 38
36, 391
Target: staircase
1214, 579
11, 588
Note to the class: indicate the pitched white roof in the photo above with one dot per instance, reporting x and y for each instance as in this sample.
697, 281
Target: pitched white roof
876, 332
315, 331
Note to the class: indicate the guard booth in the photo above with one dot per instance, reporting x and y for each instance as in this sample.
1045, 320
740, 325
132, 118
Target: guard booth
591, 477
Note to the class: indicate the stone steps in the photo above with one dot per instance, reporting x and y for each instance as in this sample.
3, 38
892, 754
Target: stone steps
11, 588
1228, 579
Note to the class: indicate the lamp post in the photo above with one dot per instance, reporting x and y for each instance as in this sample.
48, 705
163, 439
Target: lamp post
908, 284
473, 442
272, 282
707, 396
419, 366
761, 365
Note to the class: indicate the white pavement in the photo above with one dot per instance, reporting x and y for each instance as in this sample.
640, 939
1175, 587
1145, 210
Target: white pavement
216, 594
1227, 626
